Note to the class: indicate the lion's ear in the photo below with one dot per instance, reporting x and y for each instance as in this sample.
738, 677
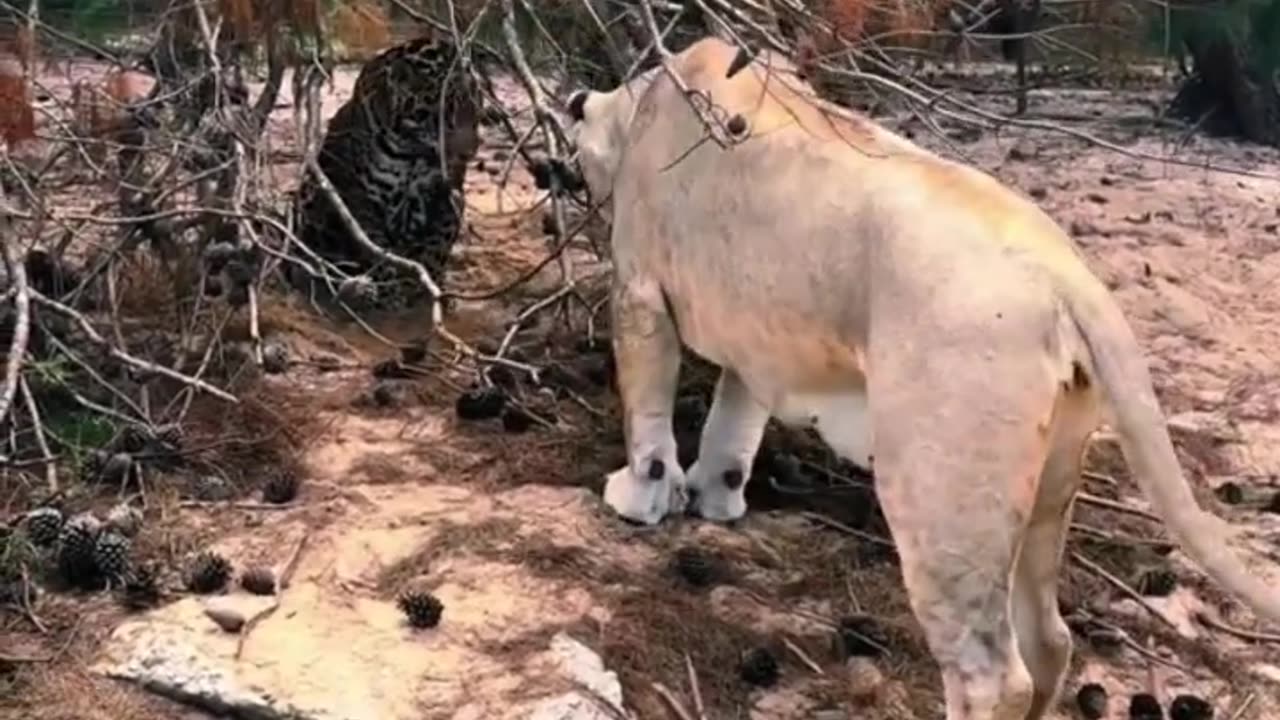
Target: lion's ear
741, 60
577, 103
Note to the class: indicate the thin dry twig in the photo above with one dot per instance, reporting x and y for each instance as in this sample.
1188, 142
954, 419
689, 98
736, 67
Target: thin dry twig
672, 701
802, 656
121, 355
837, 525
1244, 706
22, 309
1102, 502
1123, 587
286, 576
1241, 633
698, 706
37, 428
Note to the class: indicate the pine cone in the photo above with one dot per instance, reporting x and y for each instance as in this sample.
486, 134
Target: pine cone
1091, 698
480, 404
111, 554
259, 581
281, 487
75, 550
170, 435
208, 573
422, 608
759, 667
516, 420
696, 566
141, 588
1145, 706
275, 357
1190, 707
44, 525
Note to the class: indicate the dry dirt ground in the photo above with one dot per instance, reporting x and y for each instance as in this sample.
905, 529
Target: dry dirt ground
507, 529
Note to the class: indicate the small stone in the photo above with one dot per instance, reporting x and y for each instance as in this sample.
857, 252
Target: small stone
259, 581
1091, 698
865, 681
124, 519
229, 620
117, 468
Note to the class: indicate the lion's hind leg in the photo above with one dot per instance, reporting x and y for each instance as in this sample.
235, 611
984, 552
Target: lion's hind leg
730, 439
1043, 636
959, 447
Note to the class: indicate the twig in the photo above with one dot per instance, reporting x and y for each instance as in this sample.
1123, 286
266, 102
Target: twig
285, 576
291, 565
1120, 585
698, 706
26, 602
672, 701
802, 656
837, 525
1102, 502
125, 357
1244, 706
550, 126
1241, 633
22, 309
37, 427
62, 650
1099, 477
237, 505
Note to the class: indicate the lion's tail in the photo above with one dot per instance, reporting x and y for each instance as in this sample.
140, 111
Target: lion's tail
1122, 370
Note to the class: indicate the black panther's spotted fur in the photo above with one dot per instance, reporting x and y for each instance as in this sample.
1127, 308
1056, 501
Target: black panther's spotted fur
383, 151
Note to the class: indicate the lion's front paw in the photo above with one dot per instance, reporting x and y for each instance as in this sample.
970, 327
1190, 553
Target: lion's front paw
718, 494
643, 499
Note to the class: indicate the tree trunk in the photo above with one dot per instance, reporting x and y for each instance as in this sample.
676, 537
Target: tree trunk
1226, 95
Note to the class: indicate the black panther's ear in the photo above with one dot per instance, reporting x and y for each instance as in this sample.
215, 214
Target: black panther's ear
577, 102
741, 60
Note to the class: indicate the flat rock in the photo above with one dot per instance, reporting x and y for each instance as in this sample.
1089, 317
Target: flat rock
337, 648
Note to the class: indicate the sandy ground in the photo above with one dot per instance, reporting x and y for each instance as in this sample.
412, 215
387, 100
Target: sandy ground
1192, 254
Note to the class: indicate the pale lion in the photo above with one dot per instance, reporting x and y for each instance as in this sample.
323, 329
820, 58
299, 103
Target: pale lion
922, 313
